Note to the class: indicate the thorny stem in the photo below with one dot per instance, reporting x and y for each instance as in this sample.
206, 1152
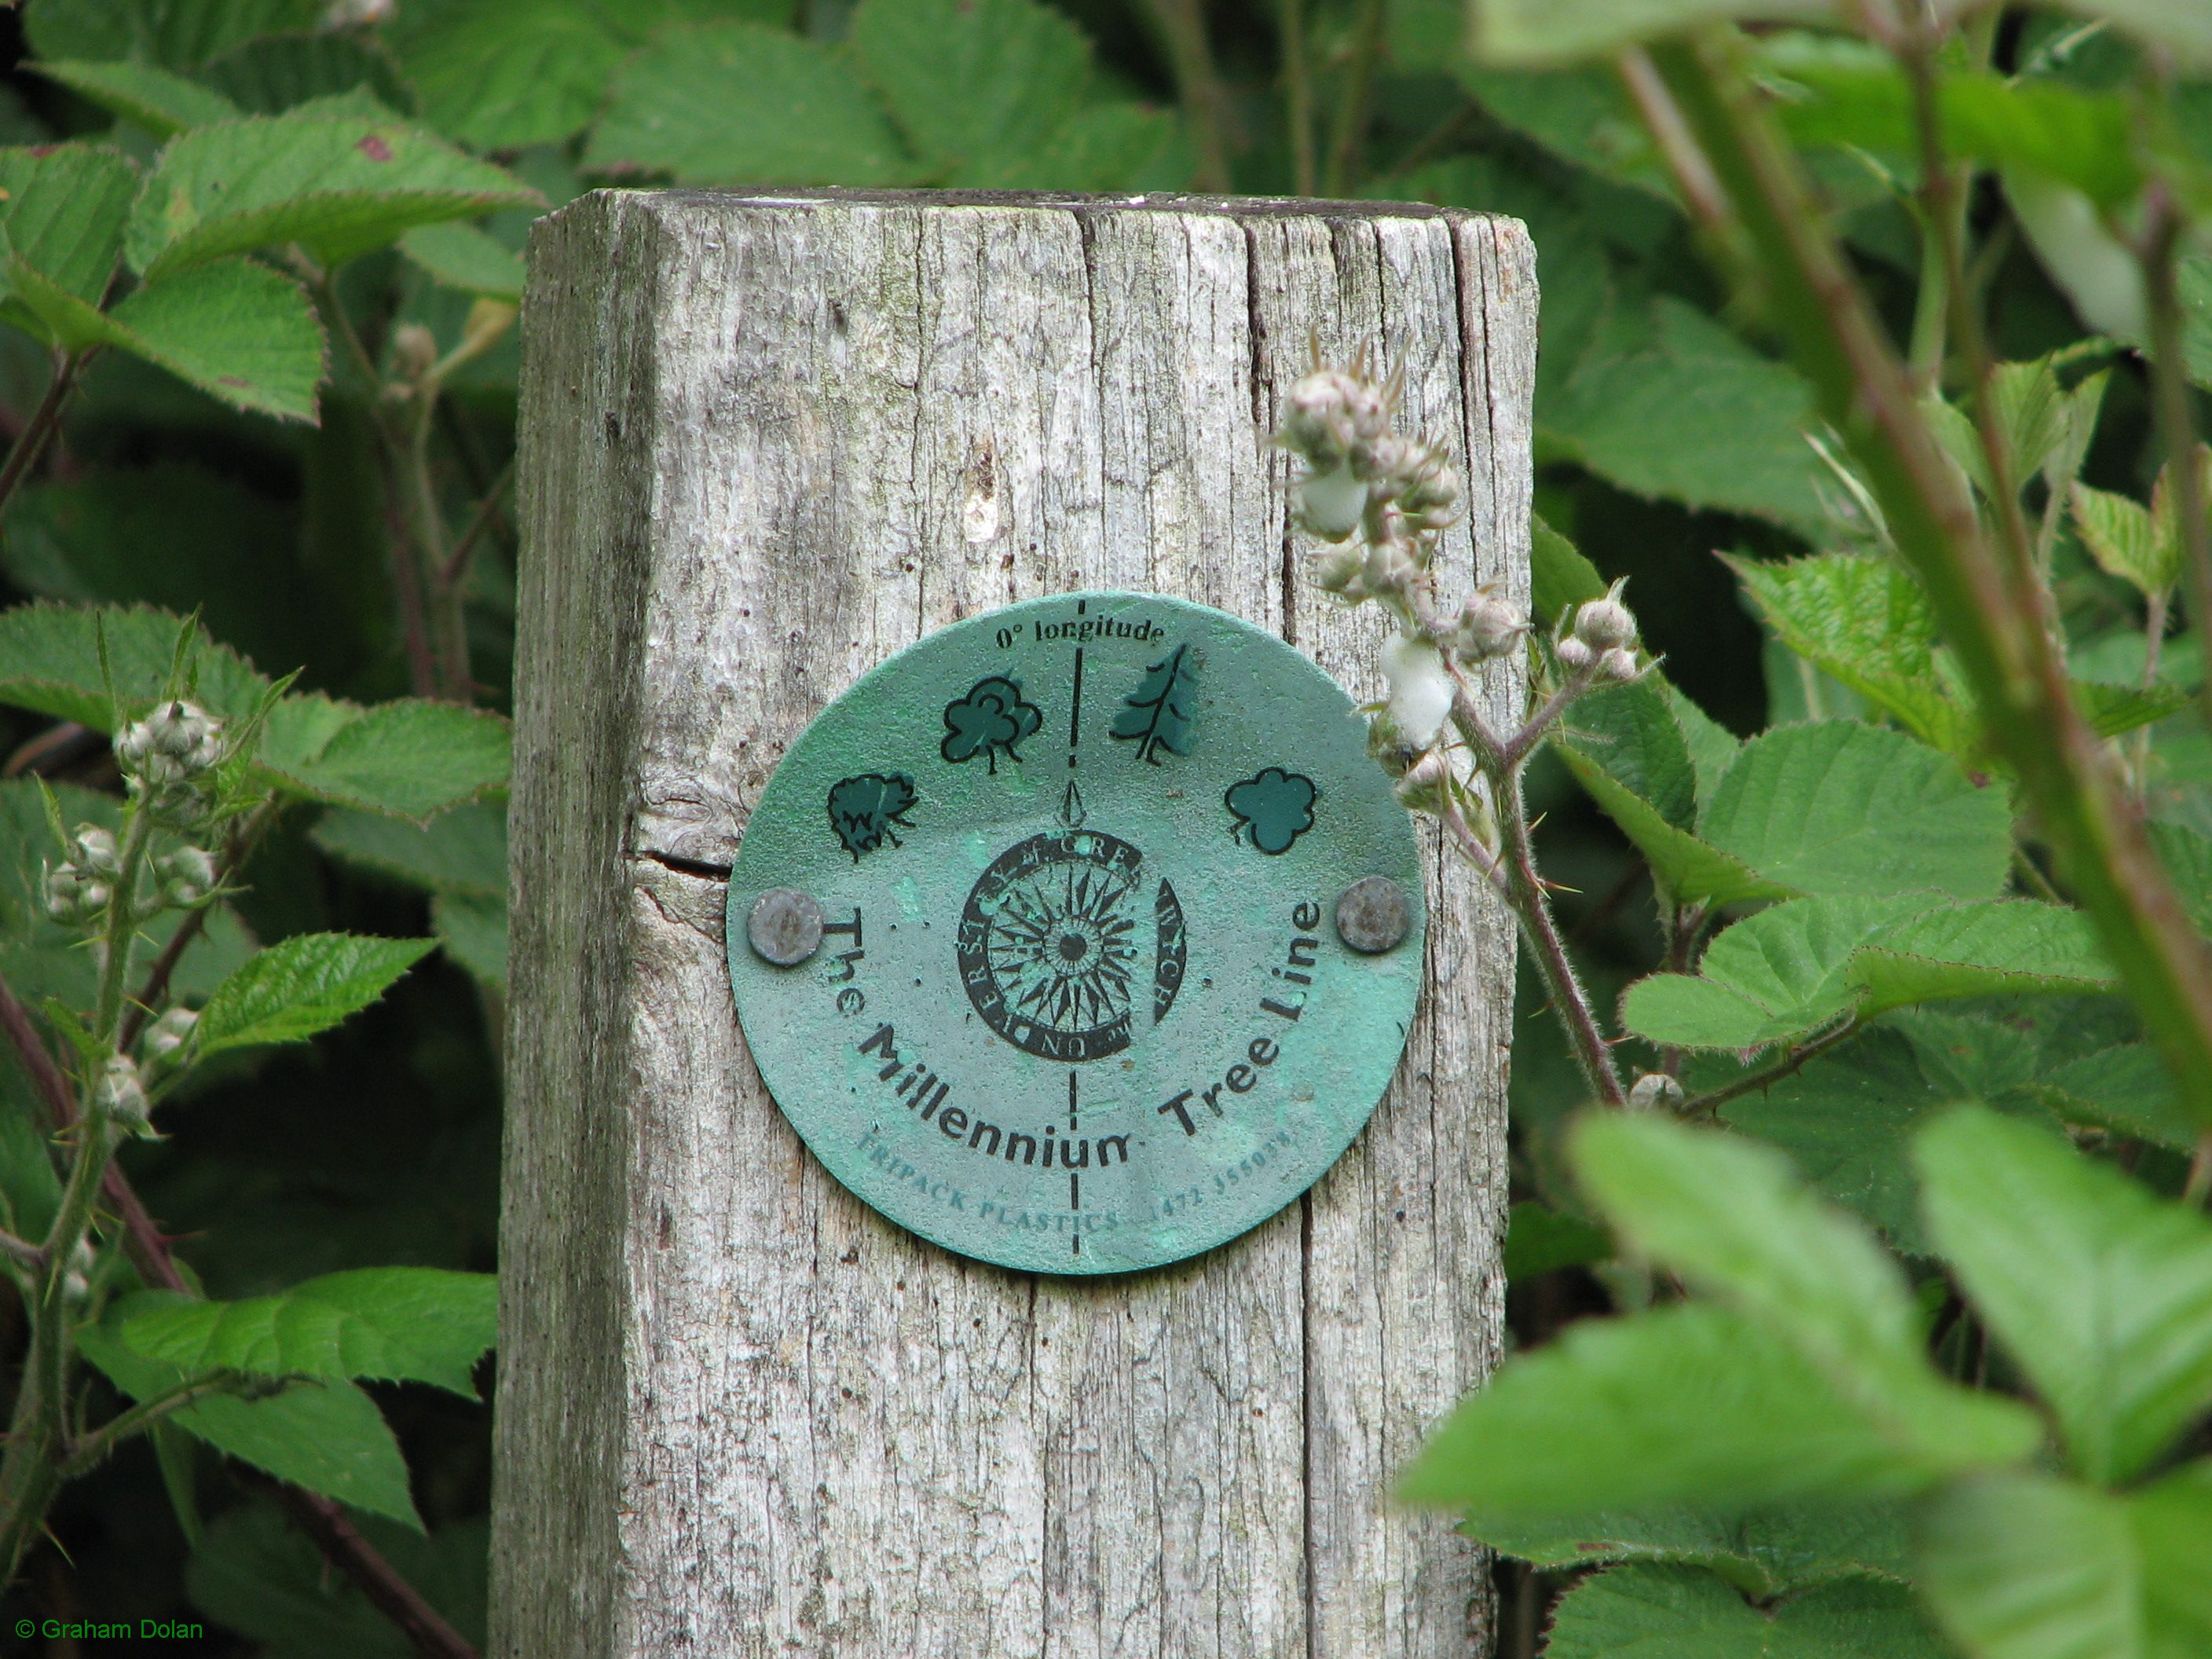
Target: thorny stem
1692, 173
2199, 1184
481, 521
2170, 400
2154, 606
29, 1254
448, 619
2019, 681
156, 984
1706, 1104
1350, 126
31, 442
93, 1448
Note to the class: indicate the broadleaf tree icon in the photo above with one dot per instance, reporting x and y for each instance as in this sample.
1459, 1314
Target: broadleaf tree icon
1272, 809
989, 721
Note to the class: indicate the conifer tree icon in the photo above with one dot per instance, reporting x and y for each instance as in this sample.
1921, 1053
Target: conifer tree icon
1158, 714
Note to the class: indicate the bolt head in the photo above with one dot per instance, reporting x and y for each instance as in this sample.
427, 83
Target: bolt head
785, 927
1372, 916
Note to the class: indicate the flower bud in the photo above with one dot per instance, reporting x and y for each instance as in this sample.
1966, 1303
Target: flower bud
414, 350
177, 741
1420, 689
1655, 1091
1336, 570
1605, 624
187, 876
1426, 784
121, 1093
1387, 745
163, 1044
1618, 664
1574, 655
1330, 504
92, 849
1489, 625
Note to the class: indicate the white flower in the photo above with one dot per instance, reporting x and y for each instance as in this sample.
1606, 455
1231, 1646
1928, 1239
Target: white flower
1330, 503
1420, 689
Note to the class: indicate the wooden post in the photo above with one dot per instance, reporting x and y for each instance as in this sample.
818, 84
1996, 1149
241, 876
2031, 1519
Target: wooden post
766, 441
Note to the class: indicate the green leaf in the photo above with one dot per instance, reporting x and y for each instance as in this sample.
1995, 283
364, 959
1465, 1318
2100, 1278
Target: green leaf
411, 757
1666, 402
326, 1436
161, 102
2125, 541
974, 84
1851, 94
736, 103
63, 209
1839, 807
1865, 621
1641, 1612
242, 332
1538, 1240
461, 851
1685, 868
1713, 747
2028, 1566
503, 77
1107, 147
471, 929
1541, 32
2185, 29
179, 35
1763, 1553
1631, 731
2187, 857
259, 1574
2111, 710
338, 186
306, 984
1692, 1404
332, 72
49, 664
2101, 1293
462, 257
1731, 1219
1560, 577
392, 1324
1799, 966
2125, 1090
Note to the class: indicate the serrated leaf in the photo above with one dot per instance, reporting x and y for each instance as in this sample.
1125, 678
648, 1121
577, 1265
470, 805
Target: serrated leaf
1631, 731
178, 35
974, 84
1649, 1612
1763, 1553
332, 71
63, 207
1713, 747
49, 664
1560, 577
2112, 710
462, 257
306, 984
1685, 868
337, 186
409, 757
2125, 1090
2126, 541
390, 1324
1839, 807
2101, 1293
461, 851
1107, 147
2029, 1566
1693, 1404
153, 98
1666, 402
736, 103
326, 1436
1864, 621
501, 77
1799, 966
242, 332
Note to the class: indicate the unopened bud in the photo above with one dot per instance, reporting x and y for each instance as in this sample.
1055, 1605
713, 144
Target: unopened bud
178, 741
121, 1093
1655, 1091
1618, 664
1330, 504
1425, 784
167, 1036
1489, 625
1336, 570
1605, 624
414, 351
92, 849
1574, 655
187, 876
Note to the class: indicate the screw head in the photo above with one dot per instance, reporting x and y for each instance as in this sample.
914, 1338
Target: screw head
785, 927
1372, 916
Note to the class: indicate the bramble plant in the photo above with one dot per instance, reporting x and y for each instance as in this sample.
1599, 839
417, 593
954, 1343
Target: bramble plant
1857, 1264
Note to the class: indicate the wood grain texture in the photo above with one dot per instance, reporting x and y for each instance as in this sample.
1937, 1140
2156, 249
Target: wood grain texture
767, 442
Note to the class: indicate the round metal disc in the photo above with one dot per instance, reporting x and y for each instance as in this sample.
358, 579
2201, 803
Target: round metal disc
1080, 1004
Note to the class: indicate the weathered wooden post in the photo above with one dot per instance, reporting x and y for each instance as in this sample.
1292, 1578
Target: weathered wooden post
766, 442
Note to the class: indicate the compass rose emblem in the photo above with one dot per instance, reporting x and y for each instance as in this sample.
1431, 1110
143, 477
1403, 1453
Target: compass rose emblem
1052, 941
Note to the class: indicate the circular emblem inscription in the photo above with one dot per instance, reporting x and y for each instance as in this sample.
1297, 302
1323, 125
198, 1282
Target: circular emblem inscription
1071, 997
1055, 937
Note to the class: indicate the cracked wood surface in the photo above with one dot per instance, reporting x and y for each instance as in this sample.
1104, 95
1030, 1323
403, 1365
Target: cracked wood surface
766, 442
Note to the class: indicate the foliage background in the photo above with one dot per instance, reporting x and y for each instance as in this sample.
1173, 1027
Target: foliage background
1668, 431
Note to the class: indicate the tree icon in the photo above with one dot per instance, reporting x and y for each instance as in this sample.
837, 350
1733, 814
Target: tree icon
1158, 712
989, 721
862, 811
1272, 809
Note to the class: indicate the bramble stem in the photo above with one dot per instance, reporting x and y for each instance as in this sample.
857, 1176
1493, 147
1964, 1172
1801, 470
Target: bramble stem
1350, 126
2170, 403
1297, 95
31, 442
1707, 1103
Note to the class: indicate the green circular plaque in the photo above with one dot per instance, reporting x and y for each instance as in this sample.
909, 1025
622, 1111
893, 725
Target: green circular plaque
1075, 999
